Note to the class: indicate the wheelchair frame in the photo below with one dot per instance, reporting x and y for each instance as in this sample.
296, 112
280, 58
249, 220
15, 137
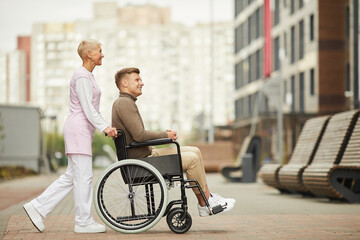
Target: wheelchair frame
158, 174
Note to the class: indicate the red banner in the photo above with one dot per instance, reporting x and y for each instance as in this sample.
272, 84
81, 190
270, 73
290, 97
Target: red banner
267, 39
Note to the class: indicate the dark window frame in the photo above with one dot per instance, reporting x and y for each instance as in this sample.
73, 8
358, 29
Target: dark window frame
292, 44
301, 92
301, 39
312, 82
312, 33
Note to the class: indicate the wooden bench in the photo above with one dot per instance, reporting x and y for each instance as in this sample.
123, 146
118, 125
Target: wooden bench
287, 178
316, 177
251, 144
345, 177
290, 175
269, 173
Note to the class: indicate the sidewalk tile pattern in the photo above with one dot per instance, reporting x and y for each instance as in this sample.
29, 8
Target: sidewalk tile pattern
326, 227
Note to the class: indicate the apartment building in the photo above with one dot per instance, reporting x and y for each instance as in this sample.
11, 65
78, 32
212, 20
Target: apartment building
24, 45
174, 61
14, 74
3, 77
16, 88
305, 46
53, 61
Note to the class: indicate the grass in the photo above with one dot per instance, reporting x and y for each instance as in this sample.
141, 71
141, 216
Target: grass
11, 172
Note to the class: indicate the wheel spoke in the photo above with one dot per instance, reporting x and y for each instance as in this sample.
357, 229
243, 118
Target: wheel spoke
123, 201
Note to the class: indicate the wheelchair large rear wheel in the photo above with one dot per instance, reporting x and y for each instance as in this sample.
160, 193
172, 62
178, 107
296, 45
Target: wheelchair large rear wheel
131, 196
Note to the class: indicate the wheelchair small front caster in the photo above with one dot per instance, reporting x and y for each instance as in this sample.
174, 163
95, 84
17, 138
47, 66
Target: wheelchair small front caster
178, 223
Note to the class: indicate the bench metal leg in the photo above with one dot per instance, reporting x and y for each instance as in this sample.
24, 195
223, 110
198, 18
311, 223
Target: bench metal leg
347, 183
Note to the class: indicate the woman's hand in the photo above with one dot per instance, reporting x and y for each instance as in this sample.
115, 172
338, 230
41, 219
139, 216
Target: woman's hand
110, 131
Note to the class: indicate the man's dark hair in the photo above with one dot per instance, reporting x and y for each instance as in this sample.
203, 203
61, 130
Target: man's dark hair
123, 73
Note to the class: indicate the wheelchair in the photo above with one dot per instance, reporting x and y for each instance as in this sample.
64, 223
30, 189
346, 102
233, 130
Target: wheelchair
131, 195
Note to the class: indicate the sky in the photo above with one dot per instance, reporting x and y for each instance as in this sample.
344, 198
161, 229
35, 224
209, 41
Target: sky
17, 16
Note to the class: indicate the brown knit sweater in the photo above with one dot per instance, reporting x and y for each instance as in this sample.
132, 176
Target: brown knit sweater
126, 116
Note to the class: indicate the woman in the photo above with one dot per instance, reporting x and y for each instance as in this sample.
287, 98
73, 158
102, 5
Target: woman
84, 117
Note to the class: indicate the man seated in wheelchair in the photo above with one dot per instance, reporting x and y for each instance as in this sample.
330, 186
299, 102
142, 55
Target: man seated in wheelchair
126, 116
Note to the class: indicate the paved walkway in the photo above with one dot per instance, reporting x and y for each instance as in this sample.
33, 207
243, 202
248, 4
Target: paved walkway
260, 213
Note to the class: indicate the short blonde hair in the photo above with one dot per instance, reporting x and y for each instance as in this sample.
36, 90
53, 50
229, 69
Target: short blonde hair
120, 75
86, 45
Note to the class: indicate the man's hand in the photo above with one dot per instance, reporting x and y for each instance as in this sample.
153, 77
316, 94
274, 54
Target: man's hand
172, 134
111, 132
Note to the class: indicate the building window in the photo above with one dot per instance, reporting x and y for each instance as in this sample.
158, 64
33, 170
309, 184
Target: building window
257, 63
249, 69
239, 6
301, 92
253, 26
237, 75
301, 3
276, 54
249, 30
276, 12
249, 105
285, 90
266, 104
348, 22
237, 39
253, 67
241, 72
242, 38
293, 93
261, 21
237, 109
301, 39
311, 27
242, 107
348, 84
285, 43
292, 44
292, 6
257, 22
312, 82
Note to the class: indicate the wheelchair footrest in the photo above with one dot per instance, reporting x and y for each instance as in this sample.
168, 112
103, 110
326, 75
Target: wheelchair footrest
217, 209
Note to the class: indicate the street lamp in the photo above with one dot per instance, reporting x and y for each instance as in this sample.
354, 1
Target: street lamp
211, 92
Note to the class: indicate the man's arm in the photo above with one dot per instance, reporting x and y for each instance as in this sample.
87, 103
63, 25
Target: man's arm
131, 118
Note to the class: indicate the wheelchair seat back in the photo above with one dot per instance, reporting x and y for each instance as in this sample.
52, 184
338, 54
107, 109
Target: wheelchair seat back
120, 145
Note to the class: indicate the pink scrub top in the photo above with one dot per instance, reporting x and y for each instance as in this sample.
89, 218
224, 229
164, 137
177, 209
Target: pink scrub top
78, 131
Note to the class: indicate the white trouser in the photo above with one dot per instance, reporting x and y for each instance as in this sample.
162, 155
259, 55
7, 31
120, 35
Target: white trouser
78, 176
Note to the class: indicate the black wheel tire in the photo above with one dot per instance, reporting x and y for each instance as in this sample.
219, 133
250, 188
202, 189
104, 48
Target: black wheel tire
174, 222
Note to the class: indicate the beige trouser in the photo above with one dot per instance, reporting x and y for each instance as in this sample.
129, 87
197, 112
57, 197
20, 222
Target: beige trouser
192, 163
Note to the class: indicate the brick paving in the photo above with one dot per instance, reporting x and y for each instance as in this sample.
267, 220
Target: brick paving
10, 197
217, 227
260, 213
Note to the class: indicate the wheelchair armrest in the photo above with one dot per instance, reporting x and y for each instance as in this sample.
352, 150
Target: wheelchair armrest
153, 142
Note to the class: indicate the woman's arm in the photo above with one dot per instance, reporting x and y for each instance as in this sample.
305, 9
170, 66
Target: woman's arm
85, 95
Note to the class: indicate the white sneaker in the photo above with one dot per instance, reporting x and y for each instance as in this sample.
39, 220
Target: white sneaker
215, 200
228, 200
34, 216
92, 228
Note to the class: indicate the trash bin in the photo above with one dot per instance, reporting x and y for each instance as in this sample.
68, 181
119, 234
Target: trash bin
248, 168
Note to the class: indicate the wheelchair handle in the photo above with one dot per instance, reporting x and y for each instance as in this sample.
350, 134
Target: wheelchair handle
119, 131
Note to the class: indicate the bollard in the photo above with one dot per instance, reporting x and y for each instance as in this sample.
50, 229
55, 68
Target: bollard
248, 168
